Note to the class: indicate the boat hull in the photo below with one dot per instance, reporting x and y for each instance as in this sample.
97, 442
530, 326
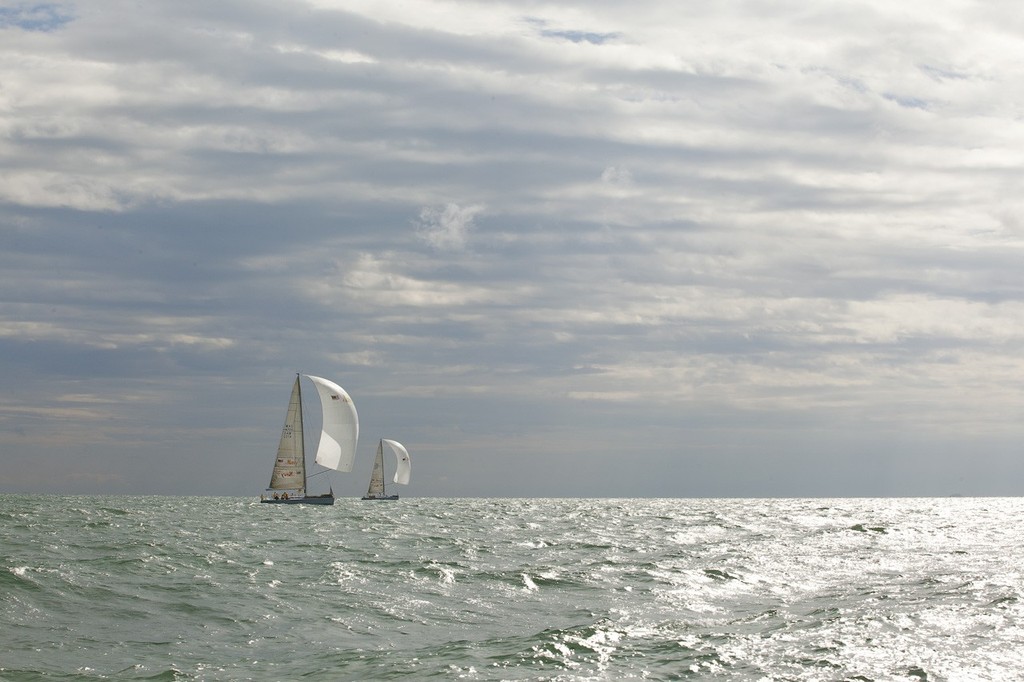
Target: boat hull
319, 499
382, 498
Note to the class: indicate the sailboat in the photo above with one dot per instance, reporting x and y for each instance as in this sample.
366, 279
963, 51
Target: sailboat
336, 449
403, 467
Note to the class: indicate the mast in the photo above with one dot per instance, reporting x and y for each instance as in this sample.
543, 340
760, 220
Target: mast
302, 434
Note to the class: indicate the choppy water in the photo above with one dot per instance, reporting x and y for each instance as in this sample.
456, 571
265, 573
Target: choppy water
477, 589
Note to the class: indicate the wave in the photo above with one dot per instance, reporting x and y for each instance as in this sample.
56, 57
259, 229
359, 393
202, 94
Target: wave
477, 589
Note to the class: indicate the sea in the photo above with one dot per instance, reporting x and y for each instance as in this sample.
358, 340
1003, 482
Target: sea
206, 588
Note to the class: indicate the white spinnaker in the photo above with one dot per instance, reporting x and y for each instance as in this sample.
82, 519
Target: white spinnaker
403, 465
340, 430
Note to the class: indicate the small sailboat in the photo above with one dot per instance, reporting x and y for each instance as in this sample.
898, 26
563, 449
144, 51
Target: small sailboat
403, 467
336, 449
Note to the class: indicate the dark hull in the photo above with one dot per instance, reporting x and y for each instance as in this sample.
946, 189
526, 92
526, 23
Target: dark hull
382, 498
318, 499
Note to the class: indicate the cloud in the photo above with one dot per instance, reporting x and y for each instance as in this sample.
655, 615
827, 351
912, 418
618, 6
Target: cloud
616, 176
448, 227
700, 228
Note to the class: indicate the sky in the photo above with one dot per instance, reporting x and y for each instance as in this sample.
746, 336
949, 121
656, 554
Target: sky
568, 249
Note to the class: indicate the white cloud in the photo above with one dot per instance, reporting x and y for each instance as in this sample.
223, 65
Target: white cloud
448, 227
614, 175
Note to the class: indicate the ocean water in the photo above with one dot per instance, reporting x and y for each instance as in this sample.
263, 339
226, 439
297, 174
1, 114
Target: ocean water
164, 588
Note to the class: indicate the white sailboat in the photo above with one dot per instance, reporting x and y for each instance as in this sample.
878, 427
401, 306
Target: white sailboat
336, 449
403, 467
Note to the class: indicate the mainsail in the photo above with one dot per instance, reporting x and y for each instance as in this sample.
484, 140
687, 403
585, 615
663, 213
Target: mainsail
289, 467
340, 427
403, 465
376, 488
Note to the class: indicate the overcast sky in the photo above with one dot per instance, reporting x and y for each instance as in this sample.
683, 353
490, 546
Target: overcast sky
557, 249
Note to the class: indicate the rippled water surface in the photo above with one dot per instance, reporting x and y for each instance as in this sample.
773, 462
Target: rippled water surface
477, 589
